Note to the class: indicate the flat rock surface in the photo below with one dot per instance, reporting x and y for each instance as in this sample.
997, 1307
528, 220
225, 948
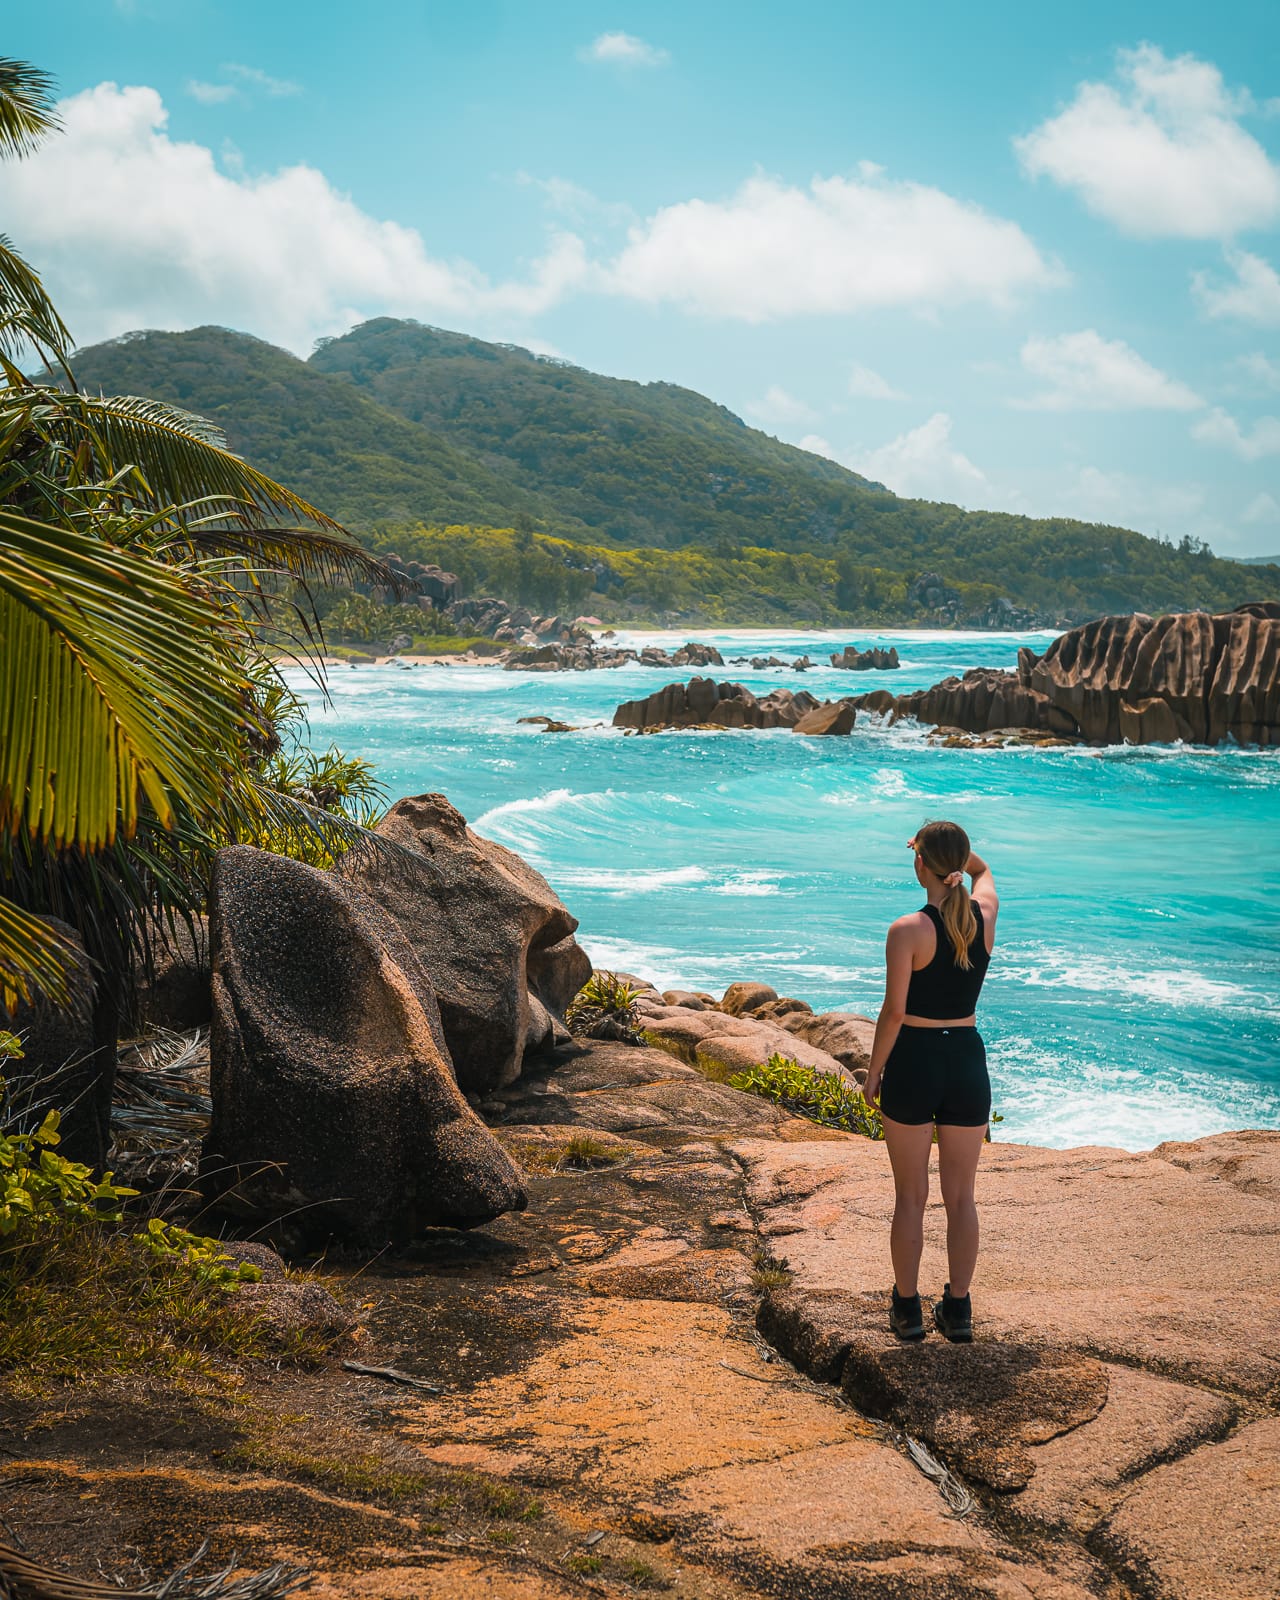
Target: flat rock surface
1144, 1259
1206, 1527
611, 1419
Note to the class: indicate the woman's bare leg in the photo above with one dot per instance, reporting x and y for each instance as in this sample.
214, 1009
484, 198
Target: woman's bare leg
909, 1146
958, 1152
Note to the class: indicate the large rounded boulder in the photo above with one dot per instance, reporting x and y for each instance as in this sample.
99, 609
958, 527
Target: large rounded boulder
490, 931
335, 1110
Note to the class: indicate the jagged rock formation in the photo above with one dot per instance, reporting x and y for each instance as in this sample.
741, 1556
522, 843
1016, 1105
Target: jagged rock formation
851, 659
1136, 679
721, 705
493, 936
335, 1110
836, 717
591, 657
513, 624
437, 588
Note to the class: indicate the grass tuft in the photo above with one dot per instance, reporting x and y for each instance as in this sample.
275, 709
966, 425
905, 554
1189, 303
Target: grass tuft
767, 1272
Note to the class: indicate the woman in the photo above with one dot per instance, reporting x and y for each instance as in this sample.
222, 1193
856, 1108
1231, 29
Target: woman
929, 1070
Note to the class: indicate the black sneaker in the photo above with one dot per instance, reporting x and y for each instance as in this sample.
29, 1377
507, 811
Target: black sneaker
954, 1318
905, 1317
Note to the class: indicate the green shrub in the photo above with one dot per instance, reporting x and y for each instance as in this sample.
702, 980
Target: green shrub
823, 1097
202, 1256
604, 1008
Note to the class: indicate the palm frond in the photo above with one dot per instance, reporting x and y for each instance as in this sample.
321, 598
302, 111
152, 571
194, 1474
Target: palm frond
27, 315
179, 458
118, 682
26, 107
309, 555
31, 959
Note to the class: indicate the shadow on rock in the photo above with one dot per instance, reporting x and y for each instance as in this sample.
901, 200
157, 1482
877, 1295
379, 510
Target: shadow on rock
980, 1405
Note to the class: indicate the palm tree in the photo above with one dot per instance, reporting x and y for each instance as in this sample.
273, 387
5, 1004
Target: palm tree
139, 560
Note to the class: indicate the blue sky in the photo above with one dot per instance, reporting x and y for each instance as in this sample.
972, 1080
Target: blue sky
1018, 257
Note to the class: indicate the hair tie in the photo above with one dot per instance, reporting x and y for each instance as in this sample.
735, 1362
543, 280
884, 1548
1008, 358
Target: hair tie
953, 880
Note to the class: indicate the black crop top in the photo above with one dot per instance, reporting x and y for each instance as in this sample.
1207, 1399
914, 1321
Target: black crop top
942, 989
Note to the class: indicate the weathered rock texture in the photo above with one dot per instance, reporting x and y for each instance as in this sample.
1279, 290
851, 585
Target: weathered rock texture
335, 1110
1115, 1420
750, 1024
851, 659
1136, 679
584, 655
836, 717
491, 933
176, 993
69, 1055
702, 701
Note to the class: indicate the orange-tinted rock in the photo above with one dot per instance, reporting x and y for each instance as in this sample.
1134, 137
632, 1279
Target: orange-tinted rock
836, 717
724, 705
1138, 679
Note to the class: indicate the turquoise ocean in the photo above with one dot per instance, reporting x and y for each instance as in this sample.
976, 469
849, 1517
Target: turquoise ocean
1135, 995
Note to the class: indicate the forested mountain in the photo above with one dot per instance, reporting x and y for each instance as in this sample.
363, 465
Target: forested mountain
396, 425
324, 435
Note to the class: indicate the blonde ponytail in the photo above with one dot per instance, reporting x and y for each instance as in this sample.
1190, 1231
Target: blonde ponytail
960, 923
944, 848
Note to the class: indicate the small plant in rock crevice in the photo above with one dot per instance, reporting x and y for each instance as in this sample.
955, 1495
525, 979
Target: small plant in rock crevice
768, 1272
605, 1008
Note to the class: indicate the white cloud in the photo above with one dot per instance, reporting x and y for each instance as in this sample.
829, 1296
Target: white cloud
1262, 369
869, 385
624, 50
1250, 444
816, 445
843, 245
1086, 372
176, 241
1263, 508
247, 78
780, 408
210, 94
256, 78
1161, 153
924, 465
1127, 501
565, 198
1253, 297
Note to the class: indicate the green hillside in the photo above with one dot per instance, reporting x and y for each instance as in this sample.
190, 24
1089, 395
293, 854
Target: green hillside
397, 426
321, 435
654, 464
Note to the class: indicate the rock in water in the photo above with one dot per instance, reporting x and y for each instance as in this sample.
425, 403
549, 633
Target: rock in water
836, 717
702, 701
334, 1102
1140, 679
493, 936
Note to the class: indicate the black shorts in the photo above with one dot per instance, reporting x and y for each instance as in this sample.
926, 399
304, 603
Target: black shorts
937, 1075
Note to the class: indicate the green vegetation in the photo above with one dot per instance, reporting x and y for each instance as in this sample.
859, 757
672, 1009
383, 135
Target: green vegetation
141, 566
767, 1272
399, 426
604, 1008
821, 1096
83, 1293
580, 1152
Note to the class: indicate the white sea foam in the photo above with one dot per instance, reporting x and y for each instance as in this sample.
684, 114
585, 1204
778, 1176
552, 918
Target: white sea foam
1165, 986
632, 880
750, 884
1047, 1098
